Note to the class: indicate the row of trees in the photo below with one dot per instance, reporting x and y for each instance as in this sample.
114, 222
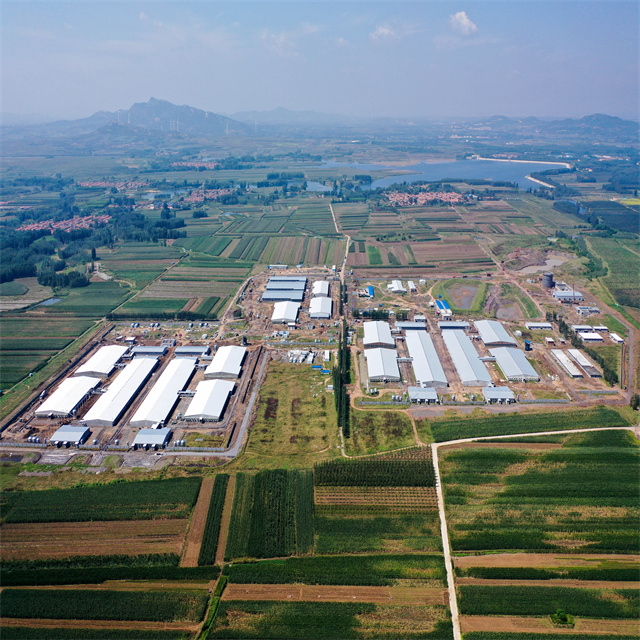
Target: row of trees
341, 378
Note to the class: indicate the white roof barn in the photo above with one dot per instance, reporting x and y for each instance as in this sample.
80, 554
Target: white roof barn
152, 438
501, 395
470, 368
427, 369
320, 288
285, 312
210, 400
514, 364
493, 334
320, 308
68, 434
163, 396
378, 334
67, 397
227, 363
102, 362
111, 405
382, 365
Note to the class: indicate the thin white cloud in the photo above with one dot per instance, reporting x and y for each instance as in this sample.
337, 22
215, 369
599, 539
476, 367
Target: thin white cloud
383, 34
461, 23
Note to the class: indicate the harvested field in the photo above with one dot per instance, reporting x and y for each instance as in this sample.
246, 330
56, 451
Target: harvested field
189, 289
36, 541
539, 560
605, 628
585, 584
39, 623
334, 593
198, 522
397, 498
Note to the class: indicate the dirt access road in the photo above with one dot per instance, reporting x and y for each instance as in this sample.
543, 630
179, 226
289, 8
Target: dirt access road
198, 523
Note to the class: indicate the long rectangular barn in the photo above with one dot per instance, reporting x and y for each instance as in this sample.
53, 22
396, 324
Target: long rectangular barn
209, 403
427, 369
471, 370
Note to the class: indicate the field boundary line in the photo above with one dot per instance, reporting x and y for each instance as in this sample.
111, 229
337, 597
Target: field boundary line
197, 525
225, 520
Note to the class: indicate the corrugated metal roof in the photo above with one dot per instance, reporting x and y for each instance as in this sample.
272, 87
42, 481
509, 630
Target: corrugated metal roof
453, 324
566, 363
283, 295
163, 396
378, 332
285, 312
191, 350
227, 362
67, 396
210, 400
102, 362
288, 278
419, 393
152, 437
148, 350
492, 333
320, 308
498, 393
538, 325
396, 286
409, 326
382, 364
427, 369
465, 358
286, 285
69, 433
514, 364
110, 406
320, 288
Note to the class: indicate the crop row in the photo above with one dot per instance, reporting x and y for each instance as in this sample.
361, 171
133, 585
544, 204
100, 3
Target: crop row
83, 633
565, 573
214, 517
398, 497
374, 473
144, 500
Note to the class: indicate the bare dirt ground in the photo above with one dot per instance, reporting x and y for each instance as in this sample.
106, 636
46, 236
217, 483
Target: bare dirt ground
332, 593
198, 523
539, 560
66, 539
99, 624
606, 628
584, 584
225, 520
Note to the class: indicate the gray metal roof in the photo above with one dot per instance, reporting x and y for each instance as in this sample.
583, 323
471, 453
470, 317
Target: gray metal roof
453, 324
410, 326
287, 285
377, 333
497, 393
148, 350
420, 393
296, 296
191, 350
465, 358
538, 325
69, 433
514, 364
320, 307
492, 333
288, 278
427, 369
152, 437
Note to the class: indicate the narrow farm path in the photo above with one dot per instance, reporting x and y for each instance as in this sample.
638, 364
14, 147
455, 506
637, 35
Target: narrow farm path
225, 520
198, 523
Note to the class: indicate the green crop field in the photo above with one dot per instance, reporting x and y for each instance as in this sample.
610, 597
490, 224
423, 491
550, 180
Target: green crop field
524, 635
142, 500
212, 527
337, 621
624, 266
272, 514
59, 633
582, 497
443, 429
94, 301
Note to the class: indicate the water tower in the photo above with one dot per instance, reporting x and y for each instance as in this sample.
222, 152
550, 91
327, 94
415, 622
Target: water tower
547, 280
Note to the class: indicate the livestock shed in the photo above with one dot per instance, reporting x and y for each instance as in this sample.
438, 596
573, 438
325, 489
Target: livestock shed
396, 287
411, 326
68, 434
320, 308
102, 362
590, 336
498, 395
227, 363
382, 365
584, 362
538, 326
156, 438
581, 327
451, 324
209, 403
320, 288
568, 296
162, 398
64, 401
145, 351
427, 369
285, 312
566, 363
471, 370
288, 279
191, 351
514, 364
378, 334
412, 285
422, 396
286, 285
272, 296
616, 338
111, 405
493, 334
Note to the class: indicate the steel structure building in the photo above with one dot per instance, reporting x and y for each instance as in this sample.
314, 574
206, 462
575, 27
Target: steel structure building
71, 393
534, 326
68, 434
410, 326
162, 398
471, 370
294, 296
227, 363
103, 362
146, 350
288, 278
500, 395
590, 336
589, 368
191, 351
320, 288
286, 285
285, 312
111, 405
396, 287
157, 438
427, 369
514, 364
493, 334
378, 334
209, 403
566, 363
453, 324
382, 365
422, 396
320, 308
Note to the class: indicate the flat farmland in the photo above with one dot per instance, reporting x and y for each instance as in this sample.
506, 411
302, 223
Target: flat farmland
212, 245
351, 217
375, 499
284, 250
138, 262
376, 431
63, 540
189, 272
623, 262
94, 301
185, 289
464, 249
315, 218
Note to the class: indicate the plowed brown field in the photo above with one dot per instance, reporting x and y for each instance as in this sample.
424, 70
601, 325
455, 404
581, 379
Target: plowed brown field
539, 560
606, 628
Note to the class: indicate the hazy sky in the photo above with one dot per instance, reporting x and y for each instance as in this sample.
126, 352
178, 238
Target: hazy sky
427, 58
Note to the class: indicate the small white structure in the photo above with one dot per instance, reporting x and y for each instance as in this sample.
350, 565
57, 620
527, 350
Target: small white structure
616, 338
581, 327
568, 295
320, 308
64, 401
514, 364
590, 336
538, 326
209, 403
285, 312
102, 362
191, 351
156, 438
382, 365
69, 435
498, 395
147, 350
227, 363
566, 363
320, 288
327, 356
378, 334
453, 324
111, 405
493, 334
162, 398
412, 286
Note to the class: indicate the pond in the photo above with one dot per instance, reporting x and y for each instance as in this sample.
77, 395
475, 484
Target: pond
49, 301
